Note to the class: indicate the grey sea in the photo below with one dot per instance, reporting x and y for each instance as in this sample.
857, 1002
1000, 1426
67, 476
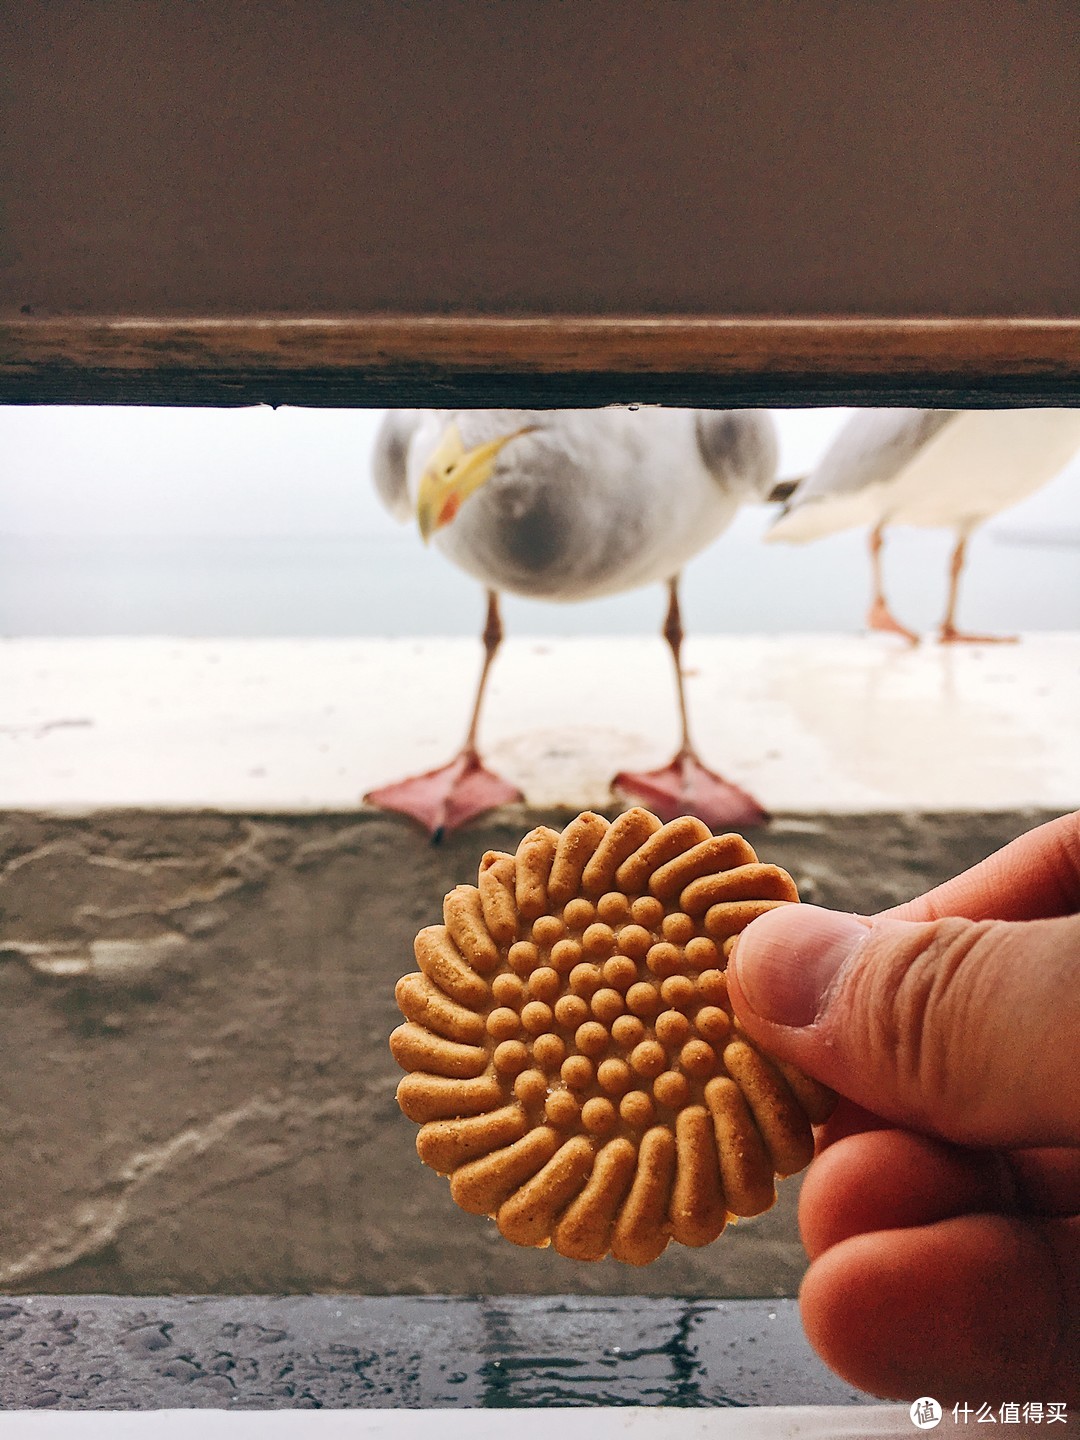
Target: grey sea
390, 585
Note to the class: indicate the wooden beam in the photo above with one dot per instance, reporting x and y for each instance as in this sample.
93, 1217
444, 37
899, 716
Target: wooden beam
540, 361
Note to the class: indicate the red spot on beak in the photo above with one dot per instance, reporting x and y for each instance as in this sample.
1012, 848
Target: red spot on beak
449, 510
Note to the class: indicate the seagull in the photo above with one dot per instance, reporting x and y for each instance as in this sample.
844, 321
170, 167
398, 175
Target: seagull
951, 468
569, 505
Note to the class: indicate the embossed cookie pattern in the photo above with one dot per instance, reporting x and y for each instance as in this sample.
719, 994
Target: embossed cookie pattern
574, 1063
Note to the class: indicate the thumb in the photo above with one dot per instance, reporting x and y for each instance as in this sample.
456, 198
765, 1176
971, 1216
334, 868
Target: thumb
966, 1029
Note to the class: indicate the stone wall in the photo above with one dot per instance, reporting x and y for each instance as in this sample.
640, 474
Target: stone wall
197, 1094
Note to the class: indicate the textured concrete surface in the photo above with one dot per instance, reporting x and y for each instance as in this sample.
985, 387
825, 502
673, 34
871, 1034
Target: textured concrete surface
197, 1095
101, 1352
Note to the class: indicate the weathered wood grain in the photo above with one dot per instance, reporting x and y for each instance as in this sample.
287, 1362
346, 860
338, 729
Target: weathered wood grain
539, 361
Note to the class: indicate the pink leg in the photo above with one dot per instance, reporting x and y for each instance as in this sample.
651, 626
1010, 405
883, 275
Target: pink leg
686, 786
446, 798
879, 616
949, 634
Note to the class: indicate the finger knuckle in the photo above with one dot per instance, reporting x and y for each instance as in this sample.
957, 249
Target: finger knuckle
922, 1011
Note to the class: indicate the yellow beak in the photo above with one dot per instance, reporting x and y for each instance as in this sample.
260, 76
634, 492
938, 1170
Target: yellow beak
451, 476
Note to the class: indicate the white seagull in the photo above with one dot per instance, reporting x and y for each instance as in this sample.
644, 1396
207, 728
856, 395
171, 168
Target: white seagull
951, 468
569, 505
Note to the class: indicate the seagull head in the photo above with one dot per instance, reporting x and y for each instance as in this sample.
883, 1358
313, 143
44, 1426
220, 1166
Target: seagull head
453, 473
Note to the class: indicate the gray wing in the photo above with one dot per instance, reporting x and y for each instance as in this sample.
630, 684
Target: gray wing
388, 461
739, 448
854, 483
872, 448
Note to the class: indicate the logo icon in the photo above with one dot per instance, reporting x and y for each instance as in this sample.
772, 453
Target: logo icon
925, 1413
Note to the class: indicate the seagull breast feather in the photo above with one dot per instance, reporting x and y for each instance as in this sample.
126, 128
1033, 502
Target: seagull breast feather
588, 503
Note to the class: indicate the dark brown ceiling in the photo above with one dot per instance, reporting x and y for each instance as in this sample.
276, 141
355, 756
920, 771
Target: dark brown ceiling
598, 157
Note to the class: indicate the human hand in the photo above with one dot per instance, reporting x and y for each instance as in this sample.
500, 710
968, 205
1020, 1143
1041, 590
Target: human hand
942, 1214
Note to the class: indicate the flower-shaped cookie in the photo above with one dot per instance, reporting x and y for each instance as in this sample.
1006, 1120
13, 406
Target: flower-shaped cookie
574, 1063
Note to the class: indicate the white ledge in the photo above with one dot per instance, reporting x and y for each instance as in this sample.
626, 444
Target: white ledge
807, 723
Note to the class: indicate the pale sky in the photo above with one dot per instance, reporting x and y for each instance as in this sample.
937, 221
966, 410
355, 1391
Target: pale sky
70, 470
262, 522
88, 470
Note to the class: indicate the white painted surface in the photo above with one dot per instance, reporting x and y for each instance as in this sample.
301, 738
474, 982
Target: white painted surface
796, 1422
808, 723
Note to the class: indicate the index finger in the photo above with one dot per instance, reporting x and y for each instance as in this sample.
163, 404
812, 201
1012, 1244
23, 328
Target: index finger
1035, 877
